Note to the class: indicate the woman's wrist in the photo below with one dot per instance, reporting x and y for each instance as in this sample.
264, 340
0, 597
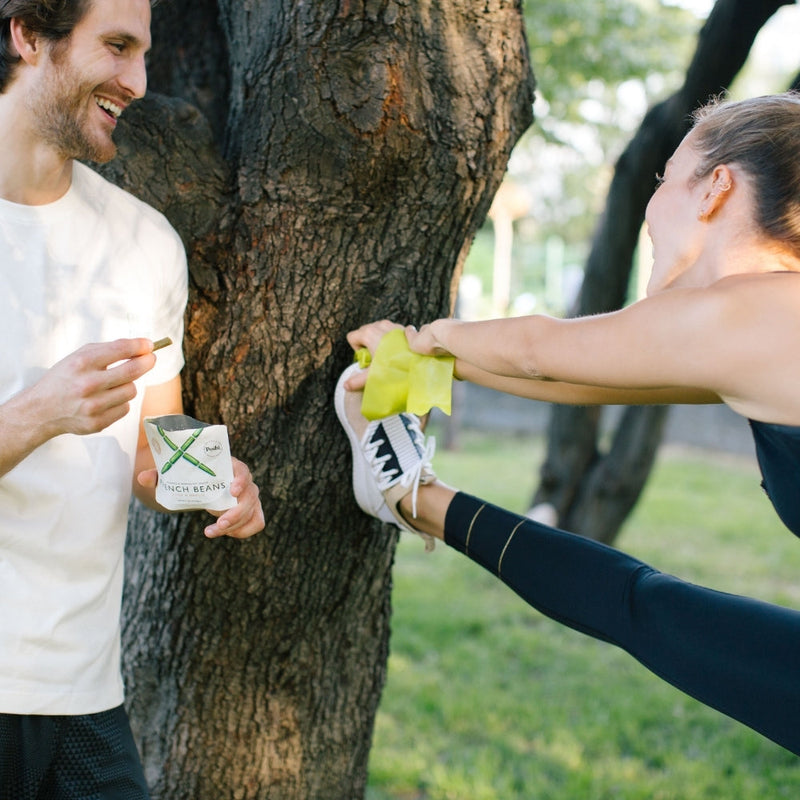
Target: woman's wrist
441, 331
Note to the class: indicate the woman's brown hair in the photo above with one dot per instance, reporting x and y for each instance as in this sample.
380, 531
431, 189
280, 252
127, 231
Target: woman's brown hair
762, 136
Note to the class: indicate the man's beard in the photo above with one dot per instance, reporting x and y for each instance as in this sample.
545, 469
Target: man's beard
63, 118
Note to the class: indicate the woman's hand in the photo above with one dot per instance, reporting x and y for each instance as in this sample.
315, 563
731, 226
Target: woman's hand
424, 340
368, 336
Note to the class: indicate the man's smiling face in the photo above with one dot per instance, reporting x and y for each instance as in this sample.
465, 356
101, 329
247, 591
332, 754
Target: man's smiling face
86, 81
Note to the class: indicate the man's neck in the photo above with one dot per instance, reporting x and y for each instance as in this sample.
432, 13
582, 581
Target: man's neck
31, 173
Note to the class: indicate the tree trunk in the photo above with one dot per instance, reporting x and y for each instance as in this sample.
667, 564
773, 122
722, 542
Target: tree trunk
343, 156
592, 491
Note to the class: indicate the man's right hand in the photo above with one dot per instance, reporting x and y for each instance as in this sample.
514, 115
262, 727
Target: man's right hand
83, 393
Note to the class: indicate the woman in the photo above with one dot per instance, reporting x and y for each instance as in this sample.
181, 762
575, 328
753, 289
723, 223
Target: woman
720, 323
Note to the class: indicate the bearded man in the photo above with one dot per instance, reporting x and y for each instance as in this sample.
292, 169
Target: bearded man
89, 278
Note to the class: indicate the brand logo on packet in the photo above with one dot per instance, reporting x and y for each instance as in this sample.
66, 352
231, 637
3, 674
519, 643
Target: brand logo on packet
212, 449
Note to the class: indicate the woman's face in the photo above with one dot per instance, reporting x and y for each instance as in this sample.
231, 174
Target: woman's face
672, 219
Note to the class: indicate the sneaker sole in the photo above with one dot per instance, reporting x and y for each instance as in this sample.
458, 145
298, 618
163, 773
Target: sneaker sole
368, 496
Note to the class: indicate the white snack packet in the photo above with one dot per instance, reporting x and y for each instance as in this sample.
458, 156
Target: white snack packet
194, 463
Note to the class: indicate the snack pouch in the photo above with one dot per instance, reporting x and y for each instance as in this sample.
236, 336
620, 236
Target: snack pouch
194, 463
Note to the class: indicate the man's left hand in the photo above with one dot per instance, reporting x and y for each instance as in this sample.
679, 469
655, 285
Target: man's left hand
247, 517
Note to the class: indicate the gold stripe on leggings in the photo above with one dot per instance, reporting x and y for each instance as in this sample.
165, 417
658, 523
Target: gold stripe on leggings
508, 542
469, 531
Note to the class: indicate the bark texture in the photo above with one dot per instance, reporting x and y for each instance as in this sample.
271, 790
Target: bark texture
326, 164
594, 490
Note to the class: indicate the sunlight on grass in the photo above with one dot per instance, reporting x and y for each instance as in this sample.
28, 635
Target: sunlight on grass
488, 700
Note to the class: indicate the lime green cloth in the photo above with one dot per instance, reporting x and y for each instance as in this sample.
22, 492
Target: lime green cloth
400, 380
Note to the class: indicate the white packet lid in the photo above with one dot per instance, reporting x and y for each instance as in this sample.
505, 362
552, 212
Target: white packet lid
194, 463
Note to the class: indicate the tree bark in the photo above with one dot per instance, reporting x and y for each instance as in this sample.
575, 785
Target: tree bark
593, 491
329, 164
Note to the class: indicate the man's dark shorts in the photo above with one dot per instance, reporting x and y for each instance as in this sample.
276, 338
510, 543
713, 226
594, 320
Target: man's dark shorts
89, 757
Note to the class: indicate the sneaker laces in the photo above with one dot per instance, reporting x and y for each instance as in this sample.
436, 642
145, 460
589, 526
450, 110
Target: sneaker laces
416, 476
384, 478
420, 473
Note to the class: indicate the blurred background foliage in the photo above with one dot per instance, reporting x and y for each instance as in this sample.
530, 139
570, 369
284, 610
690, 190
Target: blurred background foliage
599, 67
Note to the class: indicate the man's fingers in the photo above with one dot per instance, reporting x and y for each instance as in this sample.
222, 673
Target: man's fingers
130, 370
110, 387
109, 398
247, 517
241, 522
148, 478
102, 355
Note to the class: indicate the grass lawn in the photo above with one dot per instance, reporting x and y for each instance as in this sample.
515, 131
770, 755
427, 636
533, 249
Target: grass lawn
488, 700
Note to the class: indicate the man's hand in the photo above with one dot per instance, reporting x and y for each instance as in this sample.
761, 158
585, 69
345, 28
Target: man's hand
81, 394
240, 522
244, 519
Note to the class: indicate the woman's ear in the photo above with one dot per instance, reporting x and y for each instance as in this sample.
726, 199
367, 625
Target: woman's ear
26, 43
720, 183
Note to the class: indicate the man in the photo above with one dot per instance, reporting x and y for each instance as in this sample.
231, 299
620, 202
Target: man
89, 278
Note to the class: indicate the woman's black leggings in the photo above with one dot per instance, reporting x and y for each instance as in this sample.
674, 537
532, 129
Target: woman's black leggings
738, 655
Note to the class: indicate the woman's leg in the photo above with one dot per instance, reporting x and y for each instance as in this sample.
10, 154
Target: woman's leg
738, 655
735, 654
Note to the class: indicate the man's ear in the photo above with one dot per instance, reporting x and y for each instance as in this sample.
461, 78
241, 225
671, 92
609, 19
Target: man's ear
26, 43
720, 183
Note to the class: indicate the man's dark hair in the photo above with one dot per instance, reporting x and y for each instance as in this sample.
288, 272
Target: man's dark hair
51, 19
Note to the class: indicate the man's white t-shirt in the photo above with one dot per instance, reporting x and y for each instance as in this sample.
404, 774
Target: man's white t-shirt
94, 266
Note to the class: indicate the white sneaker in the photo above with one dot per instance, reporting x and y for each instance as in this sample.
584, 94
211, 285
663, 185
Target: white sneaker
391, 458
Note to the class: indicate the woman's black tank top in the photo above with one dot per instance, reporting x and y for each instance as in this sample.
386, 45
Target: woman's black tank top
778, 453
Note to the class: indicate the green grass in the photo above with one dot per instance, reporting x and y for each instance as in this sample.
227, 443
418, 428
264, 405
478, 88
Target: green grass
488, 700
